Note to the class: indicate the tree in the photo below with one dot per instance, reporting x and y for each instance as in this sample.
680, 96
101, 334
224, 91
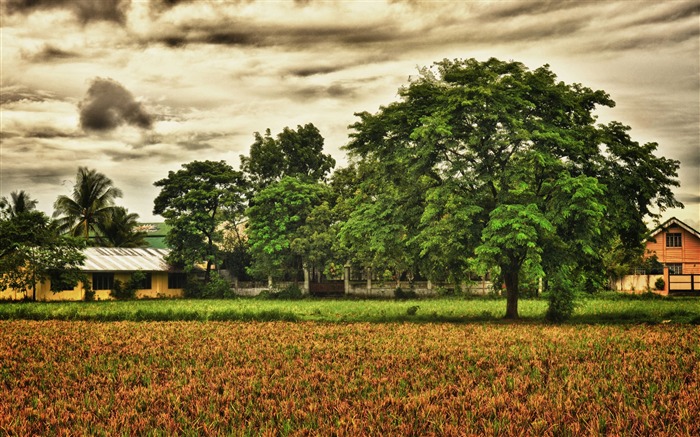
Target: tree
280, 236
195, 201
19, 203
295, 153
515, 157
32, 250
90, 205
119, 230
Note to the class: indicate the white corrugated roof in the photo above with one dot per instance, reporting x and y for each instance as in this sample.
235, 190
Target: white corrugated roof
116, 259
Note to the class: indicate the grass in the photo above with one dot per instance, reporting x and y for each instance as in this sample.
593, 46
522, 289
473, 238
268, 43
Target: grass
602, 309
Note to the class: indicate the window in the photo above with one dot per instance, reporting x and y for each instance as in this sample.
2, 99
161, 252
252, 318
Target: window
673, 239
102, 281
145, 282
176, 280
675, 269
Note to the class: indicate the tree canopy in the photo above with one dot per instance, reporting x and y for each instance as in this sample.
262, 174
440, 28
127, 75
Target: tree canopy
294, 153
89, 206
283, 226
514, 171
195, 201
32, 250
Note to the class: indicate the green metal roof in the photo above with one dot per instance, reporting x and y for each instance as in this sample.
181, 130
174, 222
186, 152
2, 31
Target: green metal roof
155, 234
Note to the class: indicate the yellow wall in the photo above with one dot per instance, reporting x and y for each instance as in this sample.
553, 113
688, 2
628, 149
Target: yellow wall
159, 288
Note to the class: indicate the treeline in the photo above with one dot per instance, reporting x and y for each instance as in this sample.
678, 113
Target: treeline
479, 167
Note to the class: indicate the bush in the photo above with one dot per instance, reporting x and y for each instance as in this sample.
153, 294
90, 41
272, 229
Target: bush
290, 292
660, 284
402, 295
217, 287
89, 292
561, 296
128, 290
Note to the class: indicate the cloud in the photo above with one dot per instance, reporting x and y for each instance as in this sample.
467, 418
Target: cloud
18, 93
109, 105
671, 12
49, 53
84, 11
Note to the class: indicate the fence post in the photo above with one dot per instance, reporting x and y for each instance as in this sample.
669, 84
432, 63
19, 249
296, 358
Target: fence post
369, 280
306, 280
346, 277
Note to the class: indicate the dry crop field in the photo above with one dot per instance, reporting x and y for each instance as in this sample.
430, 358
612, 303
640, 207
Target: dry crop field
309, 378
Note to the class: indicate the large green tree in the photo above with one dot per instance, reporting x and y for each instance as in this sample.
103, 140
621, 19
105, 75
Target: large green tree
512, 161
294, 153
195, 201
282, 238
32, 250
89, 206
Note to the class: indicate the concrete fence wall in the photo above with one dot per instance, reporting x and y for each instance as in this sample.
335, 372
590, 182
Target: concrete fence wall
369, 288
639, 284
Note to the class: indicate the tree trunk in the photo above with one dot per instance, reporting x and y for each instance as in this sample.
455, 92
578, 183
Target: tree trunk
207, 274
511, 280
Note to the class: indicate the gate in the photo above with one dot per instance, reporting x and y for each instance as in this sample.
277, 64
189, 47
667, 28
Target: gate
686, 284
327, 289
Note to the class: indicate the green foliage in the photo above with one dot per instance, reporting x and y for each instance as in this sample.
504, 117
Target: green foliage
195, 202
505, 170
119, 230
118, 290
294, 153
32, 251
563, 289
89, 292
280, 234
217, 287
401, 294
660, 284
89, 206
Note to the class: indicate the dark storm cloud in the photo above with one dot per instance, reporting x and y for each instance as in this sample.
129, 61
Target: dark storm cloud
672, 12
49, 53
334, 91
50, 132
84, 10
314, 70
18, 93
200, 140
511, 9
109, 105
240, 33
646, 40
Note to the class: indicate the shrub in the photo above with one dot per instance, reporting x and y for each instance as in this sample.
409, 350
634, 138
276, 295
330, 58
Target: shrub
402, 295
128, 290
194, 286
89, 292
217, 288
290, 292
561, 296
660, 284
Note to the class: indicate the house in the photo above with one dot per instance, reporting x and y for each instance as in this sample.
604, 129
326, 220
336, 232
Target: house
105, 265
677, 247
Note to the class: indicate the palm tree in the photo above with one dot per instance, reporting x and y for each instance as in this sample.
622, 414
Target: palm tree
120, 230
20, 203
90, 205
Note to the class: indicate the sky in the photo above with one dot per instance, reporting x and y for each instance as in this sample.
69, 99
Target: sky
136, 88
